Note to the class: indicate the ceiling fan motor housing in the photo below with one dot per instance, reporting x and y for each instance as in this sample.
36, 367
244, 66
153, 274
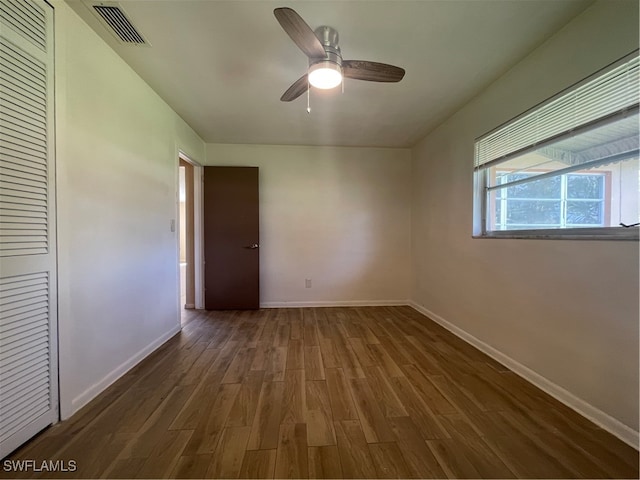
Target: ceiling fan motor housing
329, 38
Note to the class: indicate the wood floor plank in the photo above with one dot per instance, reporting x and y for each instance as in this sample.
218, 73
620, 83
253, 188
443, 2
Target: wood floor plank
151, 432
329, 355
355, 457
276, 364
310, 331
207, 434
482, 392
227, 459
388, 401
388, 461
165, 455
448, 388
527, 460
351, 324
268, 334
244, 409
573, 458
458, 425
190, 466
252, 339
366, 320
418, 410
239, 366
292, 460
468, 458
220, 338
138, 412
261, 355
294, 315
313, 363
394, 350
342, 404
374, 424
129, 468
364, 355
604, 448
347, 358
318, 415
266, 423
294, 397
430, 394
200, 366
282, 335
190, 416
324, 462
385, 361
295, 354
324, 329
95, 457
418, 457
426, 359
258, 464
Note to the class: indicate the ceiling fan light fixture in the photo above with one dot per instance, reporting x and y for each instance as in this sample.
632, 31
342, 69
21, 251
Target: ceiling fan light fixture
325, 75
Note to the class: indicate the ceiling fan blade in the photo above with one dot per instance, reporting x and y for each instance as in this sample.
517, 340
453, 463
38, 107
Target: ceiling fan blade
300, 32
371, 71
294, 91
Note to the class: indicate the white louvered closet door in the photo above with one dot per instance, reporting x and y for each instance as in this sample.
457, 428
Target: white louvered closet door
28, 333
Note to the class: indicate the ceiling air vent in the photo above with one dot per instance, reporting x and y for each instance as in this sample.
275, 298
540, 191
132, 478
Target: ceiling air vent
119, 24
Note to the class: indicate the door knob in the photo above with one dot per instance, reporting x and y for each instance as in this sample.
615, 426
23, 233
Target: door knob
252, 247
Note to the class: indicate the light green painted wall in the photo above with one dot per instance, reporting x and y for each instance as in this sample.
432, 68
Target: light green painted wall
117, 167
339, 216
567, 310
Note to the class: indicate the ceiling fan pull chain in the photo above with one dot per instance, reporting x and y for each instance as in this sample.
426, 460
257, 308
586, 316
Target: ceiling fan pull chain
308, 99
342, 86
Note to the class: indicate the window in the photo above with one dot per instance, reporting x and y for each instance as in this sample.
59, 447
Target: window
567, 168
566, 201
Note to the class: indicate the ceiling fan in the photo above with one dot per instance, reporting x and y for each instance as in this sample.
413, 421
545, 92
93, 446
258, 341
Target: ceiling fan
326, 66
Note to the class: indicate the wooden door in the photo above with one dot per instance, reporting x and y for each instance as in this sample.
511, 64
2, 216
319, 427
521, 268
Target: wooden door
231, 238
28, 309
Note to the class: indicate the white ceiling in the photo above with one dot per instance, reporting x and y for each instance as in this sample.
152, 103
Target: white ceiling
223, 65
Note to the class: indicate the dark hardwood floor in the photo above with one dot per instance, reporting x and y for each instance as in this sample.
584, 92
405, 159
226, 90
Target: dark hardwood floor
375, 392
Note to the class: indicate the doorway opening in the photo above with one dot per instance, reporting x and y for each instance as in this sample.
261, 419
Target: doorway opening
190, 256
186, 223
185, 176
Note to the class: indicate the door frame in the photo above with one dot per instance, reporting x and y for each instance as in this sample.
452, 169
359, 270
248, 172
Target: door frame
198, 252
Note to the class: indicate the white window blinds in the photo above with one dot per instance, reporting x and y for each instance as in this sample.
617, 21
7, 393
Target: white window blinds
599, 98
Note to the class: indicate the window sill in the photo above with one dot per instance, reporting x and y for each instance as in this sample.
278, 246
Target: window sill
614, 233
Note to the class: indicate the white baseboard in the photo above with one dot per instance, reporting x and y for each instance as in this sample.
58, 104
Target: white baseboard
597, 416
336, 303
97, 388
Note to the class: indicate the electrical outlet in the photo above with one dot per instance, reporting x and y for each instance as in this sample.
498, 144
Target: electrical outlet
172, 225
307, 283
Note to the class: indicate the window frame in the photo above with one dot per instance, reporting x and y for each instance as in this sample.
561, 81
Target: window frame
581, 233
563, 199
481, 182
